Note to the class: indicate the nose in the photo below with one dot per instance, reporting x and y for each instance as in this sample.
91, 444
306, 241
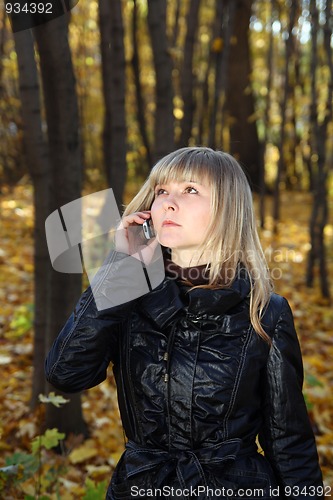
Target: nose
169, 203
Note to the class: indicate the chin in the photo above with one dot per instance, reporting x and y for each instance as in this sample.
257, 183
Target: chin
166, 241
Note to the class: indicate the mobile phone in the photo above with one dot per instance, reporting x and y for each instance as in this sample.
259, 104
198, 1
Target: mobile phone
148, 230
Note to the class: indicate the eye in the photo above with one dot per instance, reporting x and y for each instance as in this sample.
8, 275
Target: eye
159, 191
191, 190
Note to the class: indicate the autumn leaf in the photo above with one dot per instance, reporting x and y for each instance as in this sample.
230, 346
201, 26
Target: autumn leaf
95, 491
54, 399
83, 452
21, 322
48, 440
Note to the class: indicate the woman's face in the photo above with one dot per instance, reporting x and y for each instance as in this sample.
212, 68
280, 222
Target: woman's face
181, 214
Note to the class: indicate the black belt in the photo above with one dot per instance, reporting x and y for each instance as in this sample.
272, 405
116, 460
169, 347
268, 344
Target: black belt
190, 465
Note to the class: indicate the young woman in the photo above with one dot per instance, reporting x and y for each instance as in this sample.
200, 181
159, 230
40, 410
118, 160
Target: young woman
207, 363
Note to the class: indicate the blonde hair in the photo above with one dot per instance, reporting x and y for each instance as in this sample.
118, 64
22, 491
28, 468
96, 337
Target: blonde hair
232, 240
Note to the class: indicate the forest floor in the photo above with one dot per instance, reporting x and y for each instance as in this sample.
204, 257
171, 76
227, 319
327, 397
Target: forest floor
84, 471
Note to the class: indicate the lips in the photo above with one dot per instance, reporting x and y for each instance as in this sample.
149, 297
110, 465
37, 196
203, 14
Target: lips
169, 222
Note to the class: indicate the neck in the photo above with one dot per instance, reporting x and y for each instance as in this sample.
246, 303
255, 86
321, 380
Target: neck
183, 258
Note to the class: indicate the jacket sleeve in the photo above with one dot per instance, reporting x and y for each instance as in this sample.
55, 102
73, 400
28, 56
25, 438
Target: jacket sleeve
81, 353
287, 437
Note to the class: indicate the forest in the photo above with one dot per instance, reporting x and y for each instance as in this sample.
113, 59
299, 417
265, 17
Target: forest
90, 99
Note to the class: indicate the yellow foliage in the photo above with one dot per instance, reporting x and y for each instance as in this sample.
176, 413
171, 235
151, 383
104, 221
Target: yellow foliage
84, 452
97, 457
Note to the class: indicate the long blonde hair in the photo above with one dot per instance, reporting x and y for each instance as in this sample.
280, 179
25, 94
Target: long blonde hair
232, 239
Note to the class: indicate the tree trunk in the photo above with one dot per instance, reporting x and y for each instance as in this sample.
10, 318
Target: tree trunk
65, 185
204, 105
138, 89
187, 77
270, 66
286, 93
39, 167
164, 120
113, 71
319, 136
222, 38
2, 45
175, 31
244, 141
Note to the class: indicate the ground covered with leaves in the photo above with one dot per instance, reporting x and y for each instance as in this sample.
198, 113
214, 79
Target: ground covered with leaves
84, 471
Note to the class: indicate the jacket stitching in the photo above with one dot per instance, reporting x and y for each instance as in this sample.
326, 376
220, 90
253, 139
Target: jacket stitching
275, 323
237, 380
129, 375
123, 393
170, 345
70, 333
79, 316
192, 391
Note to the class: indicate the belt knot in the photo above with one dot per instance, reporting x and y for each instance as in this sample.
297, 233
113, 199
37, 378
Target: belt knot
212, 457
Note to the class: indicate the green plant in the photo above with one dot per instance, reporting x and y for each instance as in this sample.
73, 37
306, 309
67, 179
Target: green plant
22, 466
95, 491
21, 322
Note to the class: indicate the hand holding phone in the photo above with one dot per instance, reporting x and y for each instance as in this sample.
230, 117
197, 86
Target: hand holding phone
148, 230
135, 232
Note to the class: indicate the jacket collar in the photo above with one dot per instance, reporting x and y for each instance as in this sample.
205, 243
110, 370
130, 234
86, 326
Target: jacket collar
165, 301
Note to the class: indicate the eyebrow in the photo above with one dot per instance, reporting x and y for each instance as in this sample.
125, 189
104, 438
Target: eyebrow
179, 182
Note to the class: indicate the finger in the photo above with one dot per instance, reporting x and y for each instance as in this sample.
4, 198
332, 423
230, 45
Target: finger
143, 216
137, 217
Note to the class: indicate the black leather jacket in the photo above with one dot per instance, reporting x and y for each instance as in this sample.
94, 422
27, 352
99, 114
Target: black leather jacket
196, 386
